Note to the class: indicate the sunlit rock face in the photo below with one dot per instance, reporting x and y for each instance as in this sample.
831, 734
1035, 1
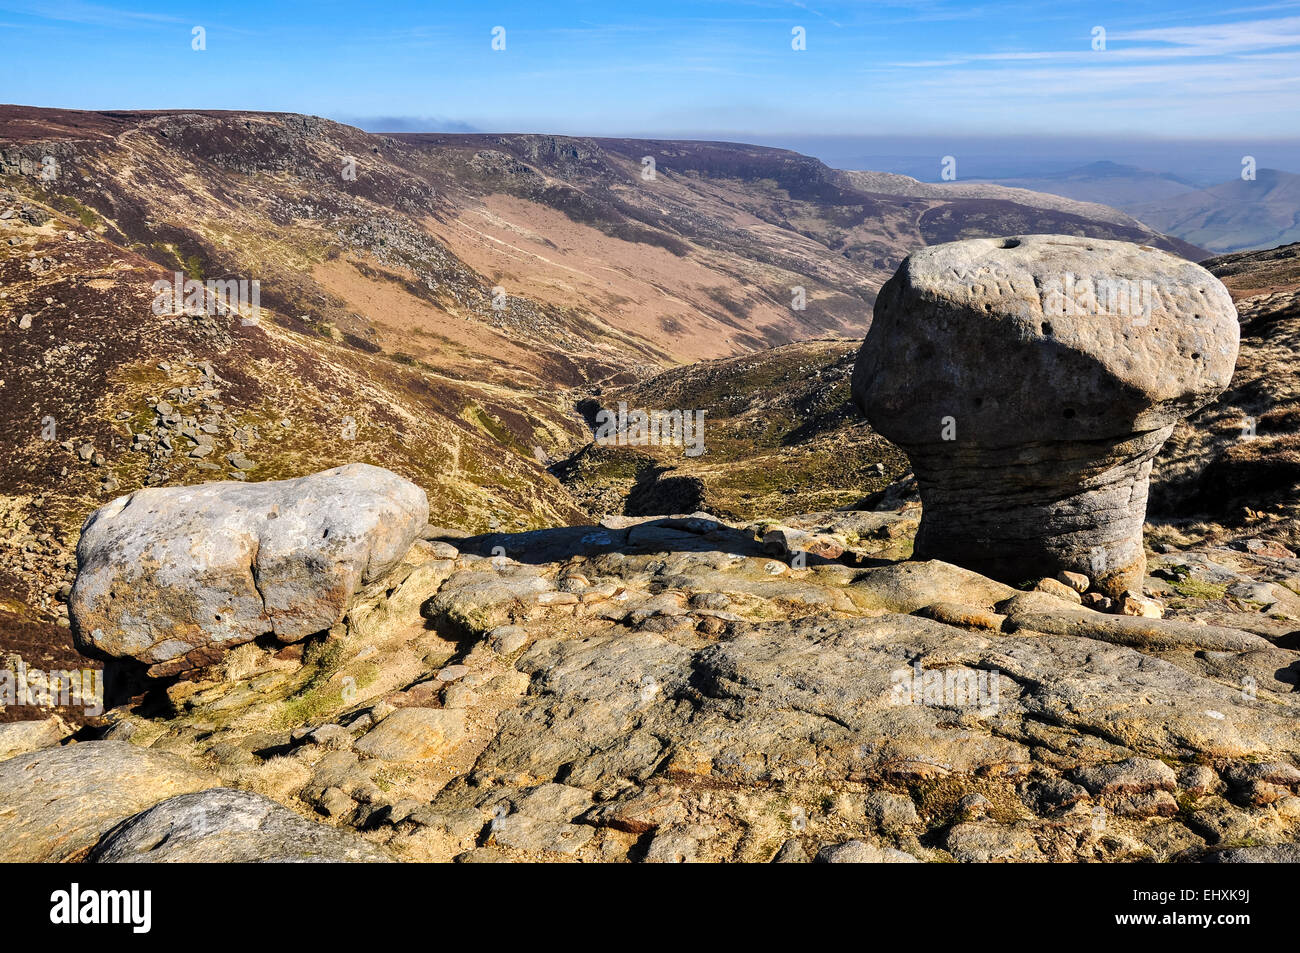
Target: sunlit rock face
176, 576
1032, 380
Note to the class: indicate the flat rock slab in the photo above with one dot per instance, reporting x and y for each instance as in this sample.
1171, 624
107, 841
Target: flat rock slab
859, 852
1152, 634
474, 601
869, 698
176, 576
22, 737
55, 804
414, 734
523, 832
224, 826
1130, 776
991, 843
906, 587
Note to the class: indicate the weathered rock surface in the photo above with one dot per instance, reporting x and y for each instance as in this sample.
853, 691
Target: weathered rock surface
414, 734
22, 737
55, 804
175, 577
224, 826
857, 852
667, 691
1031, 381
696, 699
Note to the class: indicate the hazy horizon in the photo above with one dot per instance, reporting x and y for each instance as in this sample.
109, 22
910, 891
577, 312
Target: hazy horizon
1203, 162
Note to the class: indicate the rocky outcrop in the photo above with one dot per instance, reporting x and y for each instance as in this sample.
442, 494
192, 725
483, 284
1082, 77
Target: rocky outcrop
175, 577
1031, 381
57, 803
113, 802
669, 690
224, 826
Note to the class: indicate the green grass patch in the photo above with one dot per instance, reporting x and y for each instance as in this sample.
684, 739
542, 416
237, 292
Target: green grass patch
1193, 589
315, 697
85, 215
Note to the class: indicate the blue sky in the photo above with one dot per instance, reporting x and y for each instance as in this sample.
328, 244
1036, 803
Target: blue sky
1170, 69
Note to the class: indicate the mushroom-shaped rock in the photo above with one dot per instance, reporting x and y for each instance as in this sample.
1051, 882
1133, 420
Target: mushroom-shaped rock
175, 576
1031, 381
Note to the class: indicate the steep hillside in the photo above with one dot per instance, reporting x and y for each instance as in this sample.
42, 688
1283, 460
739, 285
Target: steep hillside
102, 396
606, 261
779, 436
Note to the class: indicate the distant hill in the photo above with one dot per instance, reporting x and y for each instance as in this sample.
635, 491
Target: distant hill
1234, 216
1105, 183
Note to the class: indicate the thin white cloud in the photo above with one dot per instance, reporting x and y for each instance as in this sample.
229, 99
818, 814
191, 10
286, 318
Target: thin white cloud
1178, 42
89, 13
